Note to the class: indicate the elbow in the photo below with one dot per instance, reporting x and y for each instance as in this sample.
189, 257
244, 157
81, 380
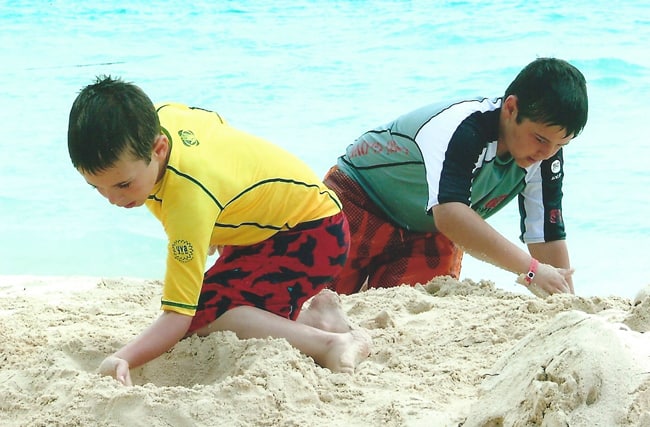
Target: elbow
443, 217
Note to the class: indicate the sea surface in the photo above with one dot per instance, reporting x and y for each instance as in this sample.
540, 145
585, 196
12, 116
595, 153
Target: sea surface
311, 76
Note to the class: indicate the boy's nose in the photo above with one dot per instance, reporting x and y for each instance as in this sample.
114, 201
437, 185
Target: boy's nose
111, 196
114, 200
547, 151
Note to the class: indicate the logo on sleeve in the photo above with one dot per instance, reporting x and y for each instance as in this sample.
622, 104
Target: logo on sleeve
188, 137
182, 250
556, 166
555, 216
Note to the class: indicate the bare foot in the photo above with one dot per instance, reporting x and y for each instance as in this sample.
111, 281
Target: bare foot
347, 351
325, 312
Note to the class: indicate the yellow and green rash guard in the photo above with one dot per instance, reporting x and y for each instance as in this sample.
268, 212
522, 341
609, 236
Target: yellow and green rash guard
224, 187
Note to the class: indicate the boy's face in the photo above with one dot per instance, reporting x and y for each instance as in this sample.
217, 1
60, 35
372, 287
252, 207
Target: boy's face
128, 183
529, 142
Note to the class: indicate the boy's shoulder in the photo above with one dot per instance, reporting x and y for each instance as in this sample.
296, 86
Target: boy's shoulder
170, 104
177, 110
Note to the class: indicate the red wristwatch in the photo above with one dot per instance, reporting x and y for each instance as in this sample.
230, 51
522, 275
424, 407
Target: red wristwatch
532, 270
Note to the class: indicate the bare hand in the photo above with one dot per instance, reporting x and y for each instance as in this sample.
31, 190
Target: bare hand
117, 368
548, 280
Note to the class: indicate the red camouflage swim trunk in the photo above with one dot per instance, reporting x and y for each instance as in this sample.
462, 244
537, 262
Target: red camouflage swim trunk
380, 252
278, 274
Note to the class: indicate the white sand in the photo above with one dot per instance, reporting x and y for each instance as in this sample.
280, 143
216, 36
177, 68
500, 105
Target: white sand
446, 354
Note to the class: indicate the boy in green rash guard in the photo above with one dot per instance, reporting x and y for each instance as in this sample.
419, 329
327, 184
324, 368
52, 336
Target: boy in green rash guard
417, 191
281, 233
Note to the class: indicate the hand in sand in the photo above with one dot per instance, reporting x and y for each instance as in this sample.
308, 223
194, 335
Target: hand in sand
548, 280
117, 368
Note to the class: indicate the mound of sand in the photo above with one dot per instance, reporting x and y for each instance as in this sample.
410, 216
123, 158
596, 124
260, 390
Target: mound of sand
446, 354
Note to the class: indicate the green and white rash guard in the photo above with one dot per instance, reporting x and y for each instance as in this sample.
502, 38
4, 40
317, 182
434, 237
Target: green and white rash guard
447, 153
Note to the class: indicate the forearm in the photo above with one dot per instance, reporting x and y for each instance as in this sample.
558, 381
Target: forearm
158, 338
476, 237
554, 253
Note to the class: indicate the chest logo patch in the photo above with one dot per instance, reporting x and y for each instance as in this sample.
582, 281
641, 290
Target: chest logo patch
182, 250
188, 137
556, 166
493, 203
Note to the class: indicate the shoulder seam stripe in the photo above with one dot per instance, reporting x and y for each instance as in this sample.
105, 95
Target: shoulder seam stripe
391, 165
190, 178
271, 180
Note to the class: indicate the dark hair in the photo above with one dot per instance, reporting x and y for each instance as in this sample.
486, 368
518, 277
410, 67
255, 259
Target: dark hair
108, 118
553, 92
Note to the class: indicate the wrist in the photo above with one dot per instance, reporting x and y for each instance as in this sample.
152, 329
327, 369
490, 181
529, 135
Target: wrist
532, 271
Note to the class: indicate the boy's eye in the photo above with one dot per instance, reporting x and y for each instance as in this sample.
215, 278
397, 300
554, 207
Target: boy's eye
124, 185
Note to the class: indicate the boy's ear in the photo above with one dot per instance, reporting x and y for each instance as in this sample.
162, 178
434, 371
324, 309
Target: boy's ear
161, 147
511, 106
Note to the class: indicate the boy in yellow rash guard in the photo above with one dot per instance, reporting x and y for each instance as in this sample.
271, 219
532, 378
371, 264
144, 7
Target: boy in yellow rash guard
215, 192
281, 232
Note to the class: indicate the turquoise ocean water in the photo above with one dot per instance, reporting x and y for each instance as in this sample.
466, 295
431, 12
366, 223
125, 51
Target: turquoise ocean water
312, 76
